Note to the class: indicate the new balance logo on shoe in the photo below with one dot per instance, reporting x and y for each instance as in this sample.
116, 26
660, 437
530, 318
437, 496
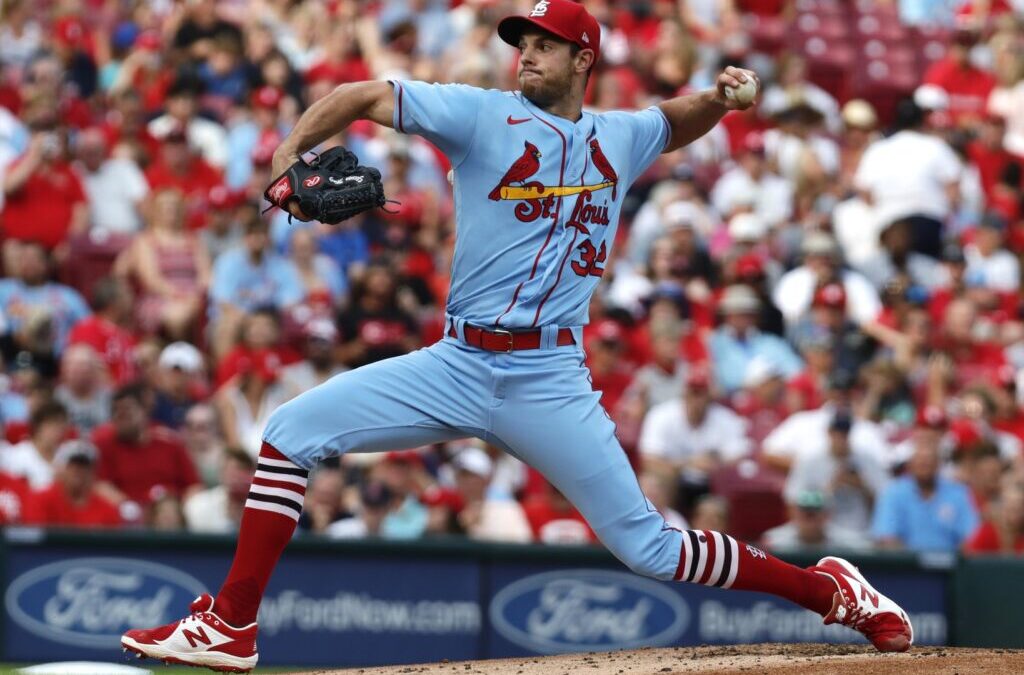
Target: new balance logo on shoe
194, 638
865, 594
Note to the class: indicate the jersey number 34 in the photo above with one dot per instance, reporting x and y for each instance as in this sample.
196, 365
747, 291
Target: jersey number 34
591, 262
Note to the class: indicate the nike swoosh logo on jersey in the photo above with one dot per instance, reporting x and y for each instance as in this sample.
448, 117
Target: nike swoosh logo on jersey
512, 121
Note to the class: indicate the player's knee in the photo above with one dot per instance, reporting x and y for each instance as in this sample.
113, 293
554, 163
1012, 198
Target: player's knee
647, 561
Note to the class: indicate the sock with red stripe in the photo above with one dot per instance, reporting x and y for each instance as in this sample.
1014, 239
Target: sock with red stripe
268, 522
716, 559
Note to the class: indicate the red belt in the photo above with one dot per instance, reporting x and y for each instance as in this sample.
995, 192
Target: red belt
507, 341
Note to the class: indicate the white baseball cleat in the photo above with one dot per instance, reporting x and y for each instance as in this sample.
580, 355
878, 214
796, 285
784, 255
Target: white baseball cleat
858, 605
200, 639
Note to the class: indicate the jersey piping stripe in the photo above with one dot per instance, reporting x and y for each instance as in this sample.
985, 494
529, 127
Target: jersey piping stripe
551, 230
558, 212
401, 125
558, 277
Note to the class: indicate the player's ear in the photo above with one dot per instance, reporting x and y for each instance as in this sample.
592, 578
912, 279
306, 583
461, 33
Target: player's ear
584, 60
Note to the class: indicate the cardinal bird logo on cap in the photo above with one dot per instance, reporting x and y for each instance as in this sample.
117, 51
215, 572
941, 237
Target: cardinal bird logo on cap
524, 167
604, 166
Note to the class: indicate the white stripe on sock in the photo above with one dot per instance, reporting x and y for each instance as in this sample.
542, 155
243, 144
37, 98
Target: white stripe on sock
734, 567
716, 571
282, 477
688, 553
277, 492
270, 506
702, 556
283, 463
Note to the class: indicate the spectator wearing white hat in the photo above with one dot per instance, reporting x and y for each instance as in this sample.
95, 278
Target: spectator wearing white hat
738, 341
989, 264
73, 500
848, 472
179, 383
319, 363
752, 185
680, 213
690, 437
749, 235
761, 401
822, 264
486, 515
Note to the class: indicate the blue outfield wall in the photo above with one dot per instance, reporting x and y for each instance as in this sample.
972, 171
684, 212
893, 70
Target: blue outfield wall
70, 596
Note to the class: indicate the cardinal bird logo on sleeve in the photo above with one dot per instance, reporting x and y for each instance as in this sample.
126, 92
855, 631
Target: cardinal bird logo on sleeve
604, 166
524, 167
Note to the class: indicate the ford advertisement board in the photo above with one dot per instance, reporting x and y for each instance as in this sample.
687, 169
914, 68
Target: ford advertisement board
540, 611
327, 607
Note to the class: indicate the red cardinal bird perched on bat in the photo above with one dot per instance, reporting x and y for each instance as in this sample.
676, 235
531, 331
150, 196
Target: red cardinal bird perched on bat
601, 162
521, 169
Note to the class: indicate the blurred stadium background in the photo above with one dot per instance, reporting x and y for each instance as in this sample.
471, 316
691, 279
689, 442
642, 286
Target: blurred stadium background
810, 332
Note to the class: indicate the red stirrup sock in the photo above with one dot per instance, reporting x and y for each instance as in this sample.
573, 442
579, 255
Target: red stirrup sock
268, 522
716, 559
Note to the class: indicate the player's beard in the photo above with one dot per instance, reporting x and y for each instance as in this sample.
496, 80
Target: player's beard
548, 89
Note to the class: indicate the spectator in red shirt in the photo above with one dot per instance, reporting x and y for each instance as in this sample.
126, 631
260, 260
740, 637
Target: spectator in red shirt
973, 358
608, 374
1004, 531
987, 153
806, 391
14, 497
107, 330
73, 500
178, 167
45, 200
967, 85
137, 456
553, 520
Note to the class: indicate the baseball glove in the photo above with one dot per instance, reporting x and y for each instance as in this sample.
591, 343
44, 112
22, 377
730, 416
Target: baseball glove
331, 188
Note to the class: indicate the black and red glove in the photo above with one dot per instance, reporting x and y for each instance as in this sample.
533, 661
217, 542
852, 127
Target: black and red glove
331, 188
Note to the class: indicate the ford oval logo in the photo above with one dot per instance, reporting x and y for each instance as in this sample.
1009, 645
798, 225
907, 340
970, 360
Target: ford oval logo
90, 602
588, 610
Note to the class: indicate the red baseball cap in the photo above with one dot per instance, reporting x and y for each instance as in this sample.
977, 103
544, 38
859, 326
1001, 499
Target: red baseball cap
931, 417
267, 97
567, 19
830, 295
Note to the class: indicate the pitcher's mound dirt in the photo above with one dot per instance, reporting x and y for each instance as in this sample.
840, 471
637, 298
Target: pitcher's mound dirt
799, 659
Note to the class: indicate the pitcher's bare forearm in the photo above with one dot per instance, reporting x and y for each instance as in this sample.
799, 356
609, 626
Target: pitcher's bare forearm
692, 116
333, 114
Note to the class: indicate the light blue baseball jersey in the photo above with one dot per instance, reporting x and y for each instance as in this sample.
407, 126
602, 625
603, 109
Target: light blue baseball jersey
537, 197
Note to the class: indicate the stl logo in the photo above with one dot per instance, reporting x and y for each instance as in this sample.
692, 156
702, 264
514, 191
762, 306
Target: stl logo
540, 9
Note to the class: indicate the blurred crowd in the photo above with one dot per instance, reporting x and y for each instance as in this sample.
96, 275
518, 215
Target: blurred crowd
810, 332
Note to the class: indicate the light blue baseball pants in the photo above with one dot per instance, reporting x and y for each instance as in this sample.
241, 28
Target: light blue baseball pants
538, 405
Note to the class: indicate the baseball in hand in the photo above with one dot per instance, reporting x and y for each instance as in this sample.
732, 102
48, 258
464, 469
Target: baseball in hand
743, 94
